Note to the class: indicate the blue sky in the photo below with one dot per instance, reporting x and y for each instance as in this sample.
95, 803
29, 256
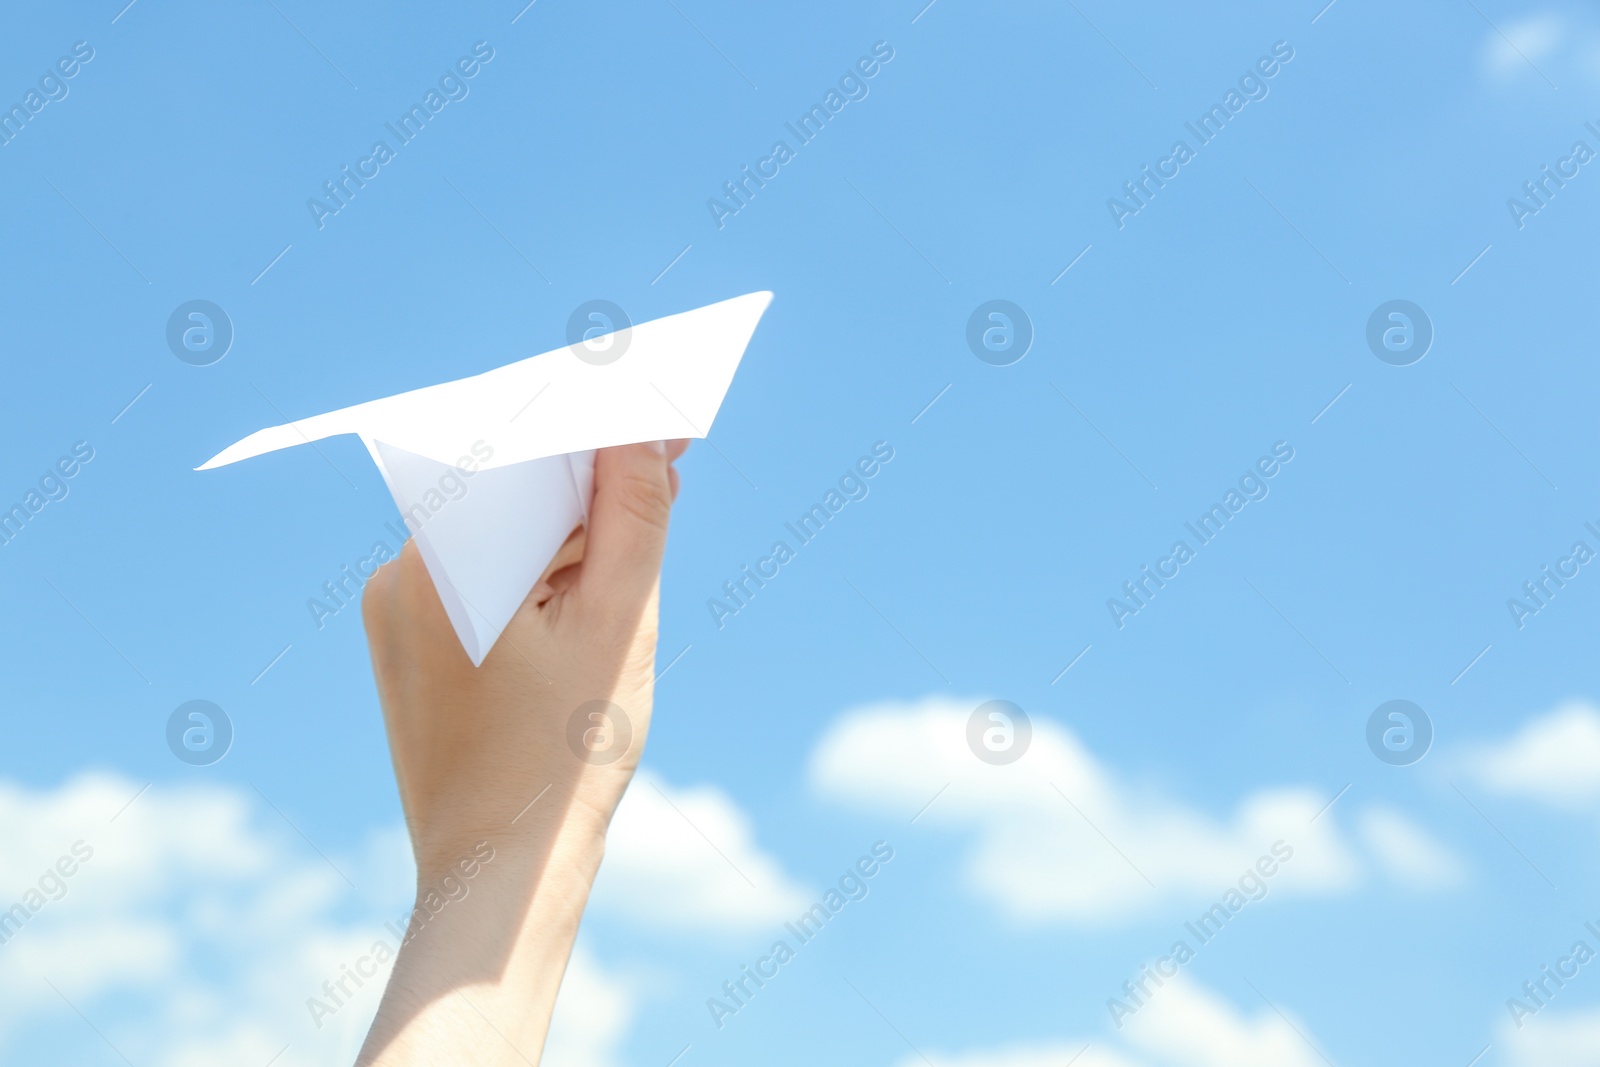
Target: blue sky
1227, 316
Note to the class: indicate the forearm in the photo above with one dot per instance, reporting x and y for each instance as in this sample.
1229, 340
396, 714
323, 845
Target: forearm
475, 984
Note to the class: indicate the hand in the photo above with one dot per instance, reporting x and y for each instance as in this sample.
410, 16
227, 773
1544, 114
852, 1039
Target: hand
521, 760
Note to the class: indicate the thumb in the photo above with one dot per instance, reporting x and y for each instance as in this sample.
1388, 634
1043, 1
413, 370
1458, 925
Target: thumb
628, 524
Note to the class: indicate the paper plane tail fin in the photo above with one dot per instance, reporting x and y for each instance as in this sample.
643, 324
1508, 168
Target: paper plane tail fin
286, 436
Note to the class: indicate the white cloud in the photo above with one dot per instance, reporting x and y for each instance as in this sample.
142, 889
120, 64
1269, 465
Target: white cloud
1191, 1026
1411, 855
1552, 759
1057, 836
686, 859
194, 926
1183, 1025
1570, 1039
200, 922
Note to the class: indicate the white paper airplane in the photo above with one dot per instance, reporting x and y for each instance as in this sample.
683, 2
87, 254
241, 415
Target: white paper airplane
540, 419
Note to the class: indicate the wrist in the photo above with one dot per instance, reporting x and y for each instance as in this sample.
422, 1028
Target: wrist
487, 948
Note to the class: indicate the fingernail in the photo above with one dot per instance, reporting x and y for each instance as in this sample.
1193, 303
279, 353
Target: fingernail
658, 447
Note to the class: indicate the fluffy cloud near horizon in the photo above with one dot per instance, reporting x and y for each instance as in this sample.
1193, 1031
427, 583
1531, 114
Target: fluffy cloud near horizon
687, 859
1551, 759
1553, 1039
199, 923
1184, 1025
195, 926
1059, 837
677, 861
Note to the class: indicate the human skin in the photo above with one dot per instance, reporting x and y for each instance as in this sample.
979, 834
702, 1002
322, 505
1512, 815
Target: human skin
473, 747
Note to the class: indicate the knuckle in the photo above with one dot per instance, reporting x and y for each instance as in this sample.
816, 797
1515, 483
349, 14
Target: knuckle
645, 498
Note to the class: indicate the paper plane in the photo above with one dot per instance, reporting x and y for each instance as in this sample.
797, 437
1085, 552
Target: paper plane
519, 442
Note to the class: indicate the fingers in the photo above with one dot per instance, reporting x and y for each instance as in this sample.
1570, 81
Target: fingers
628, 525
